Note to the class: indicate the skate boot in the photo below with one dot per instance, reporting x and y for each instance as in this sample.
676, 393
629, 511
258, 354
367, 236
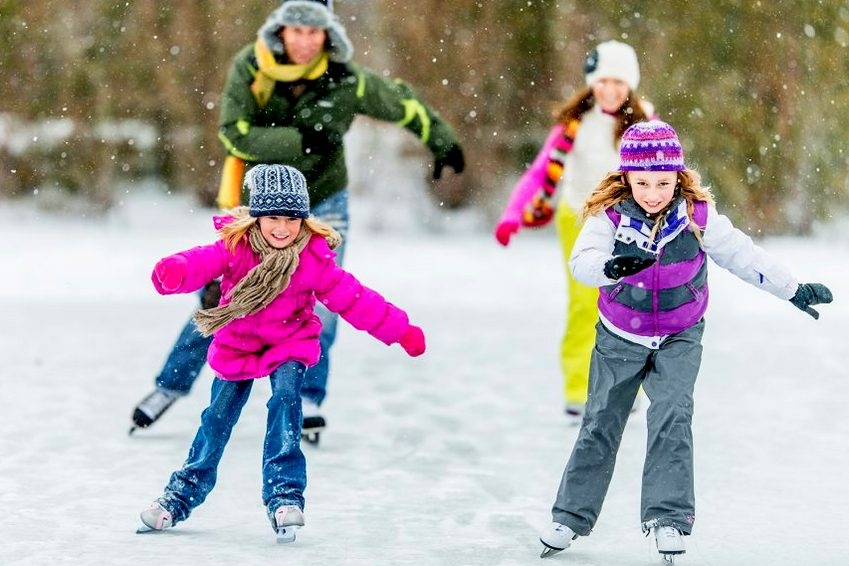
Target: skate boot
574, 413
286, 521
556, 537
313, 422
152, 407
669, 542
155, 518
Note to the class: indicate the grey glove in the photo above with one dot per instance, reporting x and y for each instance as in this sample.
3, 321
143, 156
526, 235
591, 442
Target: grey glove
811, 294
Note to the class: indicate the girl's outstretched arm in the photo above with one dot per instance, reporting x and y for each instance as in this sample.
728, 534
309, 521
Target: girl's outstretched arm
188, 271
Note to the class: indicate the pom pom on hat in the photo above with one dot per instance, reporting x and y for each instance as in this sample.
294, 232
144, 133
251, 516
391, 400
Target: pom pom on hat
613, 60
277, 190
651, 146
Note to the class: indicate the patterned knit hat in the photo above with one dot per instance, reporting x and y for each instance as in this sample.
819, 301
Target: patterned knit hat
613, 60
312, 13
277, 190
651, 146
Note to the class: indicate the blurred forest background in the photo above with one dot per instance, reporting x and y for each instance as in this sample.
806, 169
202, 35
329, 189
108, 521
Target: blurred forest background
98, 94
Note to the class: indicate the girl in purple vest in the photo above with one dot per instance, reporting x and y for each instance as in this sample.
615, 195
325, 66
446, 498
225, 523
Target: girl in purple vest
648, 230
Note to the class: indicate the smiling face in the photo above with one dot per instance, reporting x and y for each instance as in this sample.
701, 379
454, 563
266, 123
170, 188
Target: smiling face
653, 190
302, 43
279, 231
610, 94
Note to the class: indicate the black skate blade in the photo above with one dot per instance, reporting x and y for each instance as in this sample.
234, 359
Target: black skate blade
311, 437
548, 551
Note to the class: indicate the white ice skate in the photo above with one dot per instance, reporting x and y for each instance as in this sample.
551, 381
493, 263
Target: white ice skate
155, 518
670, 543
555, 538
287, 520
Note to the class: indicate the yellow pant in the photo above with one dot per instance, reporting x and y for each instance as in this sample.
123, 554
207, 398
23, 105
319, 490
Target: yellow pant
581, 315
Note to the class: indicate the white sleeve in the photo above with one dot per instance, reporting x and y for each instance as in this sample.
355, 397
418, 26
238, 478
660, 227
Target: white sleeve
733, 250
593, 248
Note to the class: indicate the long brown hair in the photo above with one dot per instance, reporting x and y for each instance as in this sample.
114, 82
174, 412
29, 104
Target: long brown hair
614, 188
582, 101
234, 231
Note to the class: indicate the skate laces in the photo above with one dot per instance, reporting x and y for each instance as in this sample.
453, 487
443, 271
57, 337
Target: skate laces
288, 515
668, 533
309, 408
157, 402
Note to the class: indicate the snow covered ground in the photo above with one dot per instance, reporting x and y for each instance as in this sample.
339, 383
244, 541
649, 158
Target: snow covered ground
452, 458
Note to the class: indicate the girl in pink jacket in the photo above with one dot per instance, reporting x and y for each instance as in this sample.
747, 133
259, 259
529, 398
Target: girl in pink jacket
274, 261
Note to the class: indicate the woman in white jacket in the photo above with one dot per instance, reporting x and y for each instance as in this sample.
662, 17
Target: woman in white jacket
580, 150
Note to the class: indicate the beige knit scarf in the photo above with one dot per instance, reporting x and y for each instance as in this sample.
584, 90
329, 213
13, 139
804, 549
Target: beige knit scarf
260, 286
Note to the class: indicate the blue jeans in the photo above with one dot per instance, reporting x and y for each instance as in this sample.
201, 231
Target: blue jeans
284, 471
188, 354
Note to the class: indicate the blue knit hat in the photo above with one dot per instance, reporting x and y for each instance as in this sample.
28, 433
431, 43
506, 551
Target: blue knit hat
277, 190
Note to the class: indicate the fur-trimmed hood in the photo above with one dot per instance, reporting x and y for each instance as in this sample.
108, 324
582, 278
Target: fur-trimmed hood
314, 13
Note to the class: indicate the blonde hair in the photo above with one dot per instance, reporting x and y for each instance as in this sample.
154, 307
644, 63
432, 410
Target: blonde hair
267, 279
614, 188
233, 232
582, 101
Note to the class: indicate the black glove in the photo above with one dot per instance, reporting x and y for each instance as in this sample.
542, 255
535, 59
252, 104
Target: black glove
453, 158
211, 294
811, 294
624, 265
320, 142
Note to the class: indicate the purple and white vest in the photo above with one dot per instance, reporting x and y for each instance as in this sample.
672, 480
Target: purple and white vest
672, 294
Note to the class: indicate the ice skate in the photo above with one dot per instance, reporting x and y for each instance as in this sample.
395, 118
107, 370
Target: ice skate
556, 537
152, 407
155, 518
574, 413
286, 522
313, 422
670, 543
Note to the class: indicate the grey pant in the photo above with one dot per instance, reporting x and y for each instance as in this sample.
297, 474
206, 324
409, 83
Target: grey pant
668, 376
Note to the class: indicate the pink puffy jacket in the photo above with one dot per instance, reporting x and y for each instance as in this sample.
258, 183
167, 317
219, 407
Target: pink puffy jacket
287, 329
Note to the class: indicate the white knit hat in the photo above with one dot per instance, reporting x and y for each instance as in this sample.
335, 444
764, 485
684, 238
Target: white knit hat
613, 60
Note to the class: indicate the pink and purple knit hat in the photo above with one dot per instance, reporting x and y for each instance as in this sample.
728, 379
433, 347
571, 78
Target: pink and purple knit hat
651, 146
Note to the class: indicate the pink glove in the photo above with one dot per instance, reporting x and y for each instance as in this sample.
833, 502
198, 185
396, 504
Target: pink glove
504, 230
413, 341
168, 273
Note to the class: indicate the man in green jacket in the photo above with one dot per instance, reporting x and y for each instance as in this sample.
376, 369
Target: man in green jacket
289, 98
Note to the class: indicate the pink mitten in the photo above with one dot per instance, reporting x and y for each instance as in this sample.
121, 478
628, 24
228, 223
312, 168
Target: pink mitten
413, 341
169, 273
504, 230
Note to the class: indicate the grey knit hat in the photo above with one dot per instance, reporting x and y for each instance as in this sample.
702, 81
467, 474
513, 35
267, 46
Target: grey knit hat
313, 13
277, 190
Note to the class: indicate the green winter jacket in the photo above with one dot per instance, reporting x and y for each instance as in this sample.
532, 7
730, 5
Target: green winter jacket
272, 134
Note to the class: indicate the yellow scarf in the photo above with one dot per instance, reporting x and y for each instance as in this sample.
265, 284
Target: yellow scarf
271, 71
